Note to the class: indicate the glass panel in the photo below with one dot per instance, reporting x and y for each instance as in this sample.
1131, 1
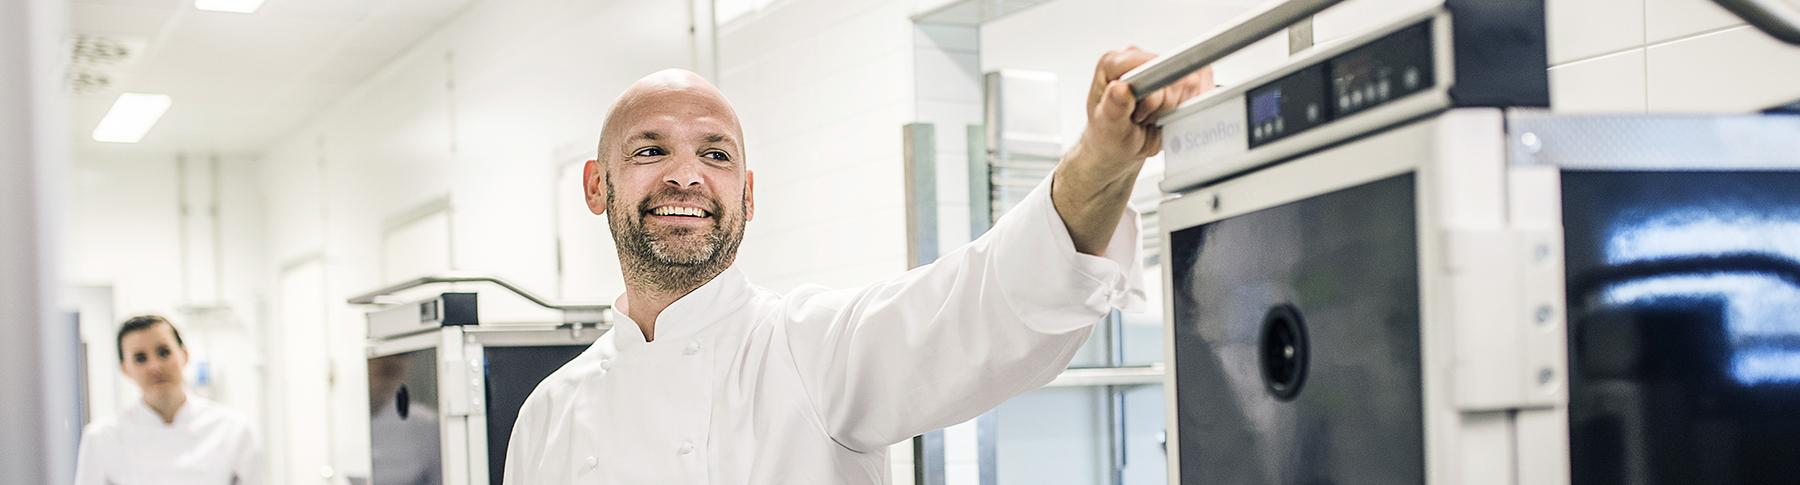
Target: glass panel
1065, 435
1297, 342
1052, 435
1142, 332
1097, 351
1146, 459
1684, 304
403, 419
512, 373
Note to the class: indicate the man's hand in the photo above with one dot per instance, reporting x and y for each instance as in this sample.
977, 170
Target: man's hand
1093, 183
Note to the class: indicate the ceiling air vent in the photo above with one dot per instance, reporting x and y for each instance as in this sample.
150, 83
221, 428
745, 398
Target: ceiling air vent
96, 60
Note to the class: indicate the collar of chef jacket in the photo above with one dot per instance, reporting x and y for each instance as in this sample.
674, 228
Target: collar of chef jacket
666, 438
688, 315
184, 415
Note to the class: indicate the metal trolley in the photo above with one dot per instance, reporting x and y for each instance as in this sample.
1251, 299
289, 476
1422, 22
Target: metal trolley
1386, 263
445, 385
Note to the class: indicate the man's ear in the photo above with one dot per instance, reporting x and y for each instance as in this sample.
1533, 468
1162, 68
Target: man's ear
593, 187
749, 194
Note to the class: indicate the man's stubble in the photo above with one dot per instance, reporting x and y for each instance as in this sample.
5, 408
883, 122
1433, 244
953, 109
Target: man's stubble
673, 265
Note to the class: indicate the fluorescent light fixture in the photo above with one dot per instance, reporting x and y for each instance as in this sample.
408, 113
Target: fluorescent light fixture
131, 117
237, 6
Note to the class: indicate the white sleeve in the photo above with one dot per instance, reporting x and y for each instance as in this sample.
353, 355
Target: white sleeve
948, 341
88, 462
525, 448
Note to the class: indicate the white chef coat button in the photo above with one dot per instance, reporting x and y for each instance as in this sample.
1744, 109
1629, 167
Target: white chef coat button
605, 364
593, 462
692, 348
685, 448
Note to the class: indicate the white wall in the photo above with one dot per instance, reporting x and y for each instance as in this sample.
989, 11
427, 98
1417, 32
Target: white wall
823, 88
481, 113
488, 112
37, 411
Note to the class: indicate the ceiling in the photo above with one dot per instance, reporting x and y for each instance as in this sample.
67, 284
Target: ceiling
239, 81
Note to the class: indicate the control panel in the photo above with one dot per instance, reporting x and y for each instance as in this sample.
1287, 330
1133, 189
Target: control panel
1376, 73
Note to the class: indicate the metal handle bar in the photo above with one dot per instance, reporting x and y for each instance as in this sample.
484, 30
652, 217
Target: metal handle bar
1779, 19
369, 298
1253, 26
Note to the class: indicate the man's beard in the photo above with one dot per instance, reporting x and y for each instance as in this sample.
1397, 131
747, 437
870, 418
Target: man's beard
675, 260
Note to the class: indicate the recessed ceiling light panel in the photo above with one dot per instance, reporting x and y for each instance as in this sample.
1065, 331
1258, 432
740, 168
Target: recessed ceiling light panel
131, 117
238, 6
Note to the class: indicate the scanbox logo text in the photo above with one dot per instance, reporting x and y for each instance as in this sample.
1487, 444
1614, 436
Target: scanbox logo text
1199, 139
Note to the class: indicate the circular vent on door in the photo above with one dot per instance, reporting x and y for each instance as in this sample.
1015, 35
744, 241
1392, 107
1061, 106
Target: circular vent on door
1283, 352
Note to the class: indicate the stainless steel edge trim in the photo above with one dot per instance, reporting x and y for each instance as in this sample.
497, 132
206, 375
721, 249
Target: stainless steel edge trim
1357, 125
403, 344
1655, 142
533, 335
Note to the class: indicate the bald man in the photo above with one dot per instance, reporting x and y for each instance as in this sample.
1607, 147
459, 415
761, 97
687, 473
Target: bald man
708, 379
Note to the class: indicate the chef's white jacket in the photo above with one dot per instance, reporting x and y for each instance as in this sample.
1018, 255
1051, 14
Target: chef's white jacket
746, 386
208, 444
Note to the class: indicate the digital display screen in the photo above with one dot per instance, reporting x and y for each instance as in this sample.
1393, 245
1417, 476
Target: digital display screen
1287, 106
1266, 107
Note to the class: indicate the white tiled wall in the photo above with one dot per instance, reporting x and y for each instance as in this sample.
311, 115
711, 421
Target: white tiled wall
1583, 29
1664, 56
1666, 20
1735, 70
1612, 83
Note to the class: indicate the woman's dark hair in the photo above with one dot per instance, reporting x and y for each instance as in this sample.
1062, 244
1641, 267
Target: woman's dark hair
145, 322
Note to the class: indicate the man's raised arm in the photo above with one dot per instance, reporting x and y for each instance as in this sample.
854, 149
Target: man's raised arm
1093, 183
1000, 316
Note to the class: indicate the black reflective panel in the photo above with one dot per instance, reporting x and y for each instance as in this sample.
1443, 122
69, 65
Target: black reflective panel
1684, 348
512, 373
403, 420
1297, 342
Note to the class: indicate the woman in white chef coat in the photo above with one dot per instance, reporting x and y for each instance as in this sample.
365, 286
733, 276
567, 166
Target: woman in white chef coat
170, 437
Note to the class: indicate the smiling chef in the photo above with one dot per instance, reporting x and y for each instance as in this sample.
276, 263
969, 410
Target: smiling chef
709, 379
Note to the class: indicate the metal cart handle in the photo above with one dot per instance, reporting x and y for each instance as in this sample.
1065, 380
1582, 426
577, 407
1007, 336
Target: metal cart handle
369, 298
1778, 18
1253, 26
